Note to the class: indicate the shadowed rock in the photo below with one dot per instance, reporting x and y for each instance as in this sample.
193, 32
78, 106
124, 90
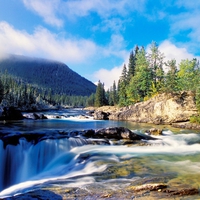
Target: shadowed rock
11, 113
100, 115
116, 133
119, 133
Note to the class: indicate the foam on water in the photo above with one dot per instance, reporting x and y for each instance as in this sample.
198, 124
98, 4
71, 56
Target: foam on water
72, 161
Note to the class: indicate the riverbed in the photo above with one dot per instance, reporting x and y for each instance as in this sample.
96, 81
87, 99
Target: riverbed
74, 168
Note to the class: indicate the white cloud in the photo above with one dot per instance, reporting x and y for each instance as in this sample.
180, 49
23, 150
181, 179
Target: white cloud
53, 11
108, 76
43, 43
46, 9
116, 47
114, 24
171, 51
73, 51
104, 8
184, 24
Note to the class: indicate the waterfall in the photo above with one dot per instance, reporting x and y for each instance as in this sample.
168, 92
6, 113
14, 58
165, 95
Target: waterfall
24, 161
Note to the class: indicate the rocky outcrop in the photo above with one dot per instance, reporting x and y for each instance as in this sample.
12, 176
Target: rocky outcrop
166, 108
11, 113
100, 115
119, 133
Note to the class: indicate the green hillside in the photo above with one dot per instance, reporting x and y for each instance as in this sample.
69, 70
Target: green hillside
47, 74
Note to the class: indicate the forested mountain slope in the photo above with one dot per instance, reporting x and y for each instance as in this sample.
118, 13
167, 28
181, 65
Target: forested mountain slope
47, 74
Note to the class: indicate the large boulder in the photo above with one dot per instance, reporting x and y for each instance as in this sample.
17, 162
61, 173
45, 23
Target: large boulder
166, 108
100, 115
119, 133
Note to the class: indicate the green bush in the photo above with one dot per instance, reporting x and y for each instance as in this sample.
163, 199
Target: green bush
195, 119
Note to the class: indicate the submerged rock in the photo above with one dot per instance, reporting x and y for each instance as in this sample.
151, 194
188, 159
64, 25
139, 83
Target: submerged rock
181, 191
151, 187
163, 190
38, 194
154, 131
104, 134
119, 133
35, 116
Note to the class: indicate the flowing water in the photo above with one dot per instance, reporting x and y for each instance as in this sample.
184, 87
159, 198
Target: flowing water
75, 162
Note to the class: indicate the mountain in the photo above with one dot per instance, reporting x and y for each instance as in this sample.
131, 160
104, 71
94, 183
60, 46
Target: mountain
49, 74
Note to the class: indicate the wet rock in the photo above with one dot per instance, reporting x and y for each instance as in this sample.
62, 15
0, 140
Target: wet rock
100, 115
151, 187
38, 194
163, 190
34, 116
187, 125
103, 135
83, 117
154, 131
181, 192
11, 113
88, 133
119, 133
43, 116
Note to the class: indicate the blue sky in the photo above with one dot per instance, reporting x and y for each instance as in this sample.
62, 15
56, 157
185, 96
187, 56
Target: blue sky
95, 37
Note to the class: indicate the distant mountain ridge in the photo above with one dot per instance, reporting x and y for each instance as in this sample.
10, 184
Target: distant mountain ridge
48, 74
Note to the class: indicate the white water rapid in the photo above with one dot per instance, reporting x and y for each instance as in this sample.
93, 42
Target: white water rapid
24, 161
72, 162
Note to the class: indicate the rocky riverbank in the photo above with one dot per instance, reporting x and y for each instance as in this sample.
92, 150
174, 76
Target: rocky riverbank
168, 108
154, 191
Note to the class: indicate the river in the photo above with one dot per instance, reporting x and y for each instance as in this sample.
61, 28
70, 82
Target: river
174, 158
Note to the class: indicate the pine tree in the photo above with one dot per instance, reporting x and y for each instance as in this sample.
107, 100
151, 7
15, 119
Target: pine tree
100, 99
131, 64
140, 83
189, 74
114, 95
122, 84
171, 79
155, 59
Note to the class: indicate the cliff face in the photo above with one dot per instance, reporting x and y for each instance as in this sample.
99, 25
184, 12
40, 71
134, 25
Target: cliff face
161, 109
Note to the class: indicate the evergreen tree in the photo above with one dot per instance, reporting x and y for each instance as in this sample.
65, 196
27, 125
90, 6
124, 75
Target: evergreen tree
122, 84
100, 99
171, 79
140, 83
198, 98
131, 64
155, 59
188, 74
114, 94
90, 100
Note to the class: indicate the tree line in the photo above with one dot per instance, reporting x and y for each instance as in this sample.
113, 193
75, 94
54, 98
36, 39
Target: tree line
18, 93
148, 74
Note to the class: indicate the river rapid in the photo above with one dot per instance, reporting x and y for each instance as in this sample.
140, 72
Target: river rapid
75, 162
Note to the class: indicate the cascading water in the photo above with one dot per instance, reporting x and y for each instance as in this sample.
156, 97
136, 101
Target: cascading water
68, 162
24, 161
